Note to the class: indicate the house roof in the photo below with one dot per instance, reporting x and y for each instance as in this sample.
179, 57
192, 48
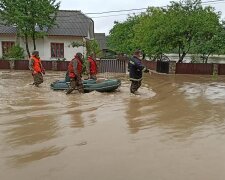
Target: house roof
68, 23
7, 29
72, 23
101, 39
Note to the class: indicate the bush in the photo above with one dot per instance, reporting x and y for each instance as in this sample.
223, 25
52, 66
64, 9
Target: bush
16, 52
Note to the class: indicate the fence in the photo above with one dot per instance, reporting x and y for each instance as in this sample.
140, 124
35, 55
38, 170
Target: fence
194, 68
4, 64
221, 69
104, 65
120, 66
150, 64
112, 65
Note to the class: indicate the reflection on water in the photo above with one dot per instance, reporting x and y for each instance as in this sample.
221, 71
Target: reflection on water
174, 129
18, 160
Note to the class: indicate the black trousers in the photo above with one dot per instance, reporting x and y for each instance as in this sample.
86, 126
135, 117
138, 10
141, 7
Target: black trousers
135, 85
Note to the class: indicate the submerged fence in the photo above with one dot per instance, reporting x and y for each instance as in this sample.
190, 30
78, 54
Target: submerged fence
120, 66
112, 65
104, 65
194, 68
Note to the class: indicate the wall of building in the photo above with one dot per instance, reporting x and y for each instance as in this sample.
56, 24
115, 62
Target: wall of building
43, 45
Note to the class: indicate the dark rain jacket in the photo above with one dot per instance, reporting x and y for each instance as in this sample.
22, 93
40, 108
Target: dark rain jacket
136, 68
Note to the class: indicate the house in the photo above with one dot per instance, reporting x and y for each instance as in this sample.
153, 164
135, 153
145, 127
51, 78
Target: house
71, 26
101, 39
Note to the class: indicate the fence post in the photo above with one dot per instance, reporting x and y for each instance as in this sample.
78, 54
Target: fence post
12, 64
172, 67
54, 65
215, 69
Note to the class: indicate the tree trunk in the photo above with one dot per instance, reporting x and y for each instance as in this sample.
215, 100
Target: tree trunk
33, 38
182, 57
27, 46
206, 59
179, 53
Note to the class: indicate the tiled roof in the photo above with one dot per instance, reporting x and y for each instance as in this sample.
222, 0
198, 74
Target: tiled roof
101, 39
7, 29
68, 23
72, 23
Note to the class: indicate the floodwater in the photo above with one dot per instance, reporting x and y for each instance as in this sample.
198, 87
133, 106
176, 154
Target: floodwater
173, 130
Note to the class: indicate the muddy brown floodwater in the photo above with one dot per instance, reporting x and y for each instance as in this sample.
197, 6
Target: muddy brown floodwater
173, 130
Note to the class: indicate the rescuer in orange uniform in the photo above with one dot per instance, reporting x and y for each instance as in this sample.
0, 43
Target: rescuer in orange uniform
36, 67
75, 71
91, 67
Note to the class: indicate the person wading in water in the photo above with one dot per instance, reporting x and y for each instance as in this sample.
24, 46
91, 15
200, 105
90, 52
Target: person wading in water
75, 70
136, 68
36, 67
91, 67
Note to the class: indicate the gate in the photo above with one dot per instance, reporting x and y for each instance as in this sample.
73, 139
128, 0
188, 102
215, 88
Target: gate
163, 64
112, 65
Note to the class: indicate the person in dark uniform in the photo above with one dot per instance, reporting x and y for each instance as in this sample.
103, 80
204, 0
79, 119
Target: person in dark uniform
136, 68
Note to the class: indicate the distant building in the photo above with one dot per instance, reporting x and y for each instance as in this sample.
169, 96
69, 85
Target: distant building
72, 26
101, 39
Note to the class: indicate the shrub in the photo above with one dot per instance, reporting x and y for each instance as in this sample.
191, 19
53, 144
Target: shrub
16, 52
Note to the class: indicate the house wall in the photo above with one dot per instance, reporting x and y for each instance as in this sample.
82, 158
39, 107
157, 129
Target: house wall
69, 51
43, 45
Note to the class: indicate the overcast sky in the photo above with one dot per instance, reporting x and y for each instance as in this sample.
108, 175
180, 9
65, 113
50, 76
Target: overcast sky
104, 24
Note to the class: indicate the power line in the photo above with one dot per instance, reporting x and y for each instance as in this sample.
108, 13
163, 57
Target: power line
110, 16
107, 12
126, 10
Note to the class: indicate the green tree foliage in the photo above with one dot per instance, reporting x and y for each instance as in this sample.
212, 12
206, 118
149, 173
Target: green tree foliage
15, 52
191, 23
26, 15
122, 34
151, 32
182, 27
93, 47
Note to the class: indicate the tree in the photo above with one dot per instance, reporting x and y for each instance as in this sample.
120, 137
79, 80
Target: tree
191, 25
26, 15
182, 27
151, 32
15, 52
121, 36
92, 47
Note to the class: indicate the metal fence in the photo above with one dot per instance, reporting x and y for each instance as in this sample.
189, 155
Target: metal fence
221, 69
47, 65
62, 65
21, 65
150, 64
194, 68
4, 64
117, 66
112, 65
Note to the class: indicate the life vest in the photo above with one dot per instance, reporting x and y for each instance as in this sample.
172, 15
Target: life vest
79, 68
37, 64
93, 66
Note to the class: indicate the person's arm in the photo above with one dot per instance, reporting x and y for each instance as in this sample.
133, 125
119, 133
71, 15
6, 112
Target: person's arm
141, 67
31, 64
88, 67
42, 68
75, 63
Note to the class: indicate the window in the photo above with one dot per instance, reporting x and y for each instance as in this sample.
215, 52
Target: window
6, 45
57, 50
